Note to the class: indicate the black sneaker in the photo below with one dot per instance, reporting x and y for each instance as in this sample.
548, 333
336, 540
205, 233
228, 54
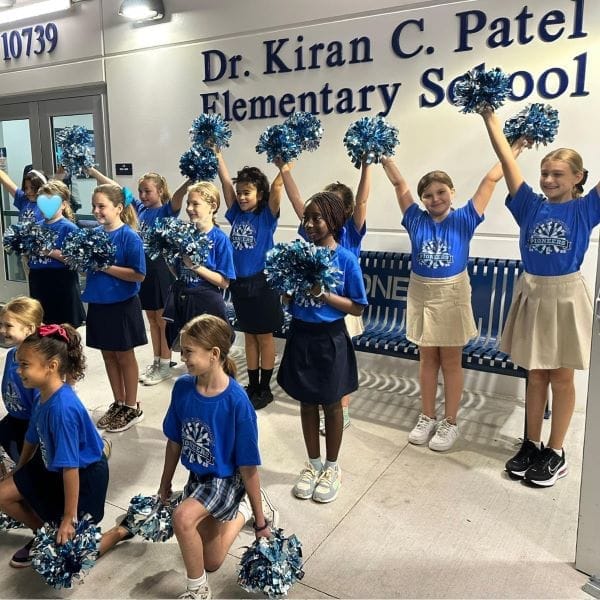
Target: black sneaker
125, 525
527, 455
547, 468
262, 399
22, 557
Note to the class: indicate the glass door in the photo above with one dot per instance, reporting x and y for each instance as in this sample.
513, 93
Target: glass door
28, 138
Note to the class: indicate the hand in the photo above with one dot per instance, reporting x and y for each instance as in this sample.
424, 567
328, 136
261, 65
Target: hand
266, 533
164, 493
317, 290
66, 531
187, 261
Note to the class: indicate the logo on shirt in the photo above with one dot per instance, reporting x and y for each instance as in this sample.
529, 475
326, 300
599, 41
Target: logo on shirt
12, 398
37, 259
190, 278
43, 450
243, 236
28, 215
549, 237
196, 443
435, 254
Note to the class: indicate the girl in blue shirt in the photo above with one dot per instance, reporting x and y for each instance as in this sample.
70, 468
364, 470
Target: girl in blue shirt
253, 211
62, 473
211, 426
50, 280
549, 326
19, 318
25, 197
319, 365
155, 202
198, 288
115, 324
439, 313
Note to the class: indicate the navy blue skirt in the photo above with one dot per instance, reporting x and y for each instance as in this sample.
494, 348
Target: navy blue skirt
257, 306
155, 287
318, 364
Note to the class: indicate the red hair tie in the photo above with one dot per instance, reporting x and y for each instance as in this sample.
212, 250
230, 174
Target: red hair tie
46, 330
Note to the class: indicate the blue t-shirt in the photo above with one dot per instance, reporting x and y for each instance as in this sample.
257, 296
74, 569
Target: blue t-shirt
63, 429
18, 400
352, 286
440, 249
147, 216
554, 236
220, 259
62, 227
350, 237
217, 435
102, 288
28, 210
251, 237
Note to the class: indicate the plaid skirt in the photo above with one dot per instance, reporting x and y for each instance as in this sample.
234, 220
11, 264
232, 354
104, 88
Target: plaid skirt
220, 496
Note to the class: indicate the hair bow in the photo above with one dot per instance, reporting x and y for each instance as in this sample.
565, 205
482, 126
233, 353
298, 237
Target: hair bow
49, 330
127, 197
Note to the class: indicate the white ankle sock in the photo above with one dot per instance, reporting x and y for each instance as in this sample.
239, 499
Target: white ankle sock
164, 362
316, 463
194, 584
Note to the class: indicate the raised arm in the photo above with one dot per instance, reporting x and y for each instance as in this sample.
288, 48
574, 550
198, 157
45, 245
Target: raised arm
8, 183
403, 194
291, 189
362, 196
178, 195
228, 190
101, 177
512, 171
486, 188
275, 192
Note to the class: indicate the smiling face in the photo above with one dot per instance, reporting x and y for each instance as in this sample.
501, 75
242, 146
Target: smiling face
34, 370
315, 225
197, 359
29, 191
557, 180
12, 330
105, 212
199, 210
149, 194
437, 198
248, 196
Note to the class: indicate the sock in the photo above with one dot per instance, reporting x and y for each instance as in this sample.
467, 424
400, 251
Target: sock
164, 362
265, 378
538, 445
559, 451
316, 463
156, 360
195, 584
346, 411
253, 378
331, 464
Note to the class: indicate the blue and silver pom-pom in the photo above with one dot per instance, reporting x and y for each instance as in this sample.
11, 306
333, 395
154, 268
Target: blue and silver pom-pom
279, 140
75, 149
152, 519
63, 565
88, 250
199, 164
538, 123
28, 237
370, 139
477, 90
210, 130
7, 522
308, 129
271, 565
294, 268
174, 239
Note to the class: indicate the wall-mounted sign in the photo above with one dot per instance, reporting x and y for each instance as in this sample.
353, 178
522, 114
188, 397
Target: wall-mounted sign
30, 40
124, 168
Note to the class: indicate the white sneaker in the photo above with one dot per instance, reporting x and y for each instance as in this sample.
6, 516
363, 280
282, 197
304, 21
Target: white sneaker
445, 436
328, 486
307, 482
202, 593
269, 510
160, 373
148, 372
422, 431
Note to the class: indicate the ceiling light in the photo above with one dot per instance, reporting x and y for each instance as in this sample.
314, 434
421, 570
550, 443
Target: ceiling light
34, 9
142, 10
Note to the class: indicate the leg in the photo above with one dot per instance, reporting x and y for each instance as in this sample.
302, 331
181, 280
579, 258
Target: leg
115, 378
309, 415
452, 372
151, 315
14, 505
429, 367
111, 538
165, 351
252, 351
334, 425
563, 395
129, 372
537, 391
217, 538
266, 350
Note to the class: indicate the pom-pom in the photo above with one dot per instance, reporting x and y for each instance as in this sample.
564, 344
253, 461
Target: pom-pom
538, 123
7, 523
28, 237
369, 139
296, 267
88, 250
279, 140
75, 149
308, 129
62, 565
478, 90
152, 519
173, 239
210, 130
199, 164
271, 565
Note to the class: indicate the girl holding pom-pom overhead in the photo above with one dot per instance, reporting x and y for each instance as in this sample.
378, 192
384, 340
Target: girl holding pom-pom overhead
253, 211
155, 202
62, 472
549, 326
25, 197
439, 314
114, 323
211, 426
50, 280
318, 365
198, 289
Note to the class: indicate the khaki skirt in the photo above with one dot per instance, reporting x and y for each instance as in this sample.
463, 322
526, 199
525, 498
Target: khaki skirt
439, 311
549, 325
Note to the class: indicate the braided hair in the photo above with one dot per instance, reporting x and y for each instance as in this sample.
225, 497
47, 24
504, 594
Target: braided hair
332, 209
